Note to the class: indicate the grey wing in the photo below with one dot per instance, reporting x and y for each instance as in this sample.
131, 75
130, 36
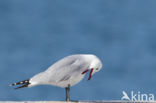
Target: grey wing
66, 68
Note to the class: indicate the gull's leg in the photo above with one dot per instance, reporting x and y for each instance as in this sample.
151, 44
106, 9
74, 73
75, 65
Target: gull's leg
67, 93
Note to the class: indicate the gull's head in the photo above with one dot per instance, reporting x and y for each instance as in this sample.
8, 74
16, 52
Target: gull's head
95, 64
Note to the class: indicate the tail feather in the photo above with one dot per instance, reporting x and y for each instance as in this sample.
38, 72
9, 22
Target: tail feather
24, 83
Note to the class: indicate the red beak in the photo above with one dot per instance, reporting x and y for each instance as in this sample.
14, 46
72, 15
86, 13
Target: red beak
90, 75
85, 71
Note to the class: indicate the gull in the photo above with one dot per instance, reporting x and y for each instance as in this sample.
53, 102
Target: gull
65, 73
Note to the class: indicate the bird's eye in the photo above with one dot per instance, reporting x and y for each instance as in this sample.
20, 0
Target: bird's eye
97, 68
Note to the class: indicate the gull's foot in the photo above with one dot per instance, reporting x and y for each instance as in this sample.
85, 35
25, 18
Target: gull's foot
72, 101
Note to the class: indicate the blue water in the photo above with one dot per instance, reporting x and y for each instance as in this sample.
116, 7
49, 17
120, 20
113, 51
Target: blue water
36, 33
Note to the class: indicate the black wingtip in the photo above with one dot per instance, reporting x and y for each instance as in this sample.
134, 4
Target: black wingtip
13, 84
23, 86
24, 83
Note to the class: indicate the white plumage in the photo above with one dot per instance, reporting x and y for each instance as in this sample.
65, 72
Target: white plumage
66, 72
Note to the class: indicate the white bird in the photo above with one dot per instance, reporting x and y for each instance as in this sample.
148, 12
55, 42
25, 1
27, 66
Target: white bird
65, 73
